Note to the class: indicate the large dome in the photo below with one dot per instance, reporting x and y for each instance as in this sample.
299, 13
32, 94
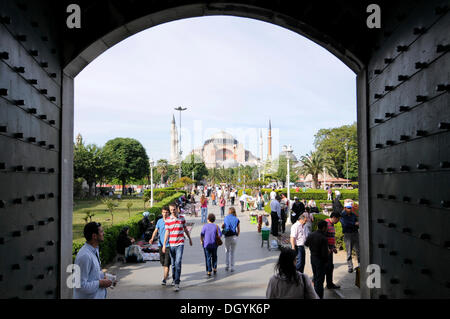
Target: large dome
222, 138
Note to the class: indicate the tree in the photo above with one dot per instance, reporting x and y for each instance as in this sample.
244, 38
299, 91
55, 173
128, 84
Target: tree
182, 182
314, 164
333, 141
128, 159
90, 163
281, 174
110, 204
129, 205
193, 163
162, 168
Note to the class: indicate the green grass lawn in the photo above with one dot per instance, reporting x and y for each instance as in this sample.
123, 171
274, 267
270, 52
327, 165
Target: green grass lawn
102, 214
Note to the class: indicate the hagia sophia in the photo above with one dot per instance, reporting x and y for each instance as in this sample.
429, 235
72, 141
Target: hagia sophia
222, 150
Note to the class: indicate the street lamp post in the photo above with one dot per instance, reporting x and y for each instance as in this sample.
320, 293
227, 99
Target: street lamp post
288, 150
346, 159
151, 181
179, 159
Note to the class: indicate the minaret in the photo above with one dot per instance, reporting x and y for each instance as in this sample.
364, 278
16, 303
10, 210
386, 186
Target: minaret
269, 143
173, 143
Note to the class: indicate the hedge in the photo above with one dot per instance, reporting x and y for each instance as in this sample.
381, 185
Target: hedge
315, 194
168, 191
108, 247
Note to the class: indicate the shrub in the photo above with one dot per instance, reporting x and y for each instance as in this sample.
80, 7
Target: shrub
108, 247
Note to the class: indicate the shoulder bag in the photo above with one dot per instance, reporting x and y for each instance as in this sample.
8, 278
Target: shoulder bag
218, 240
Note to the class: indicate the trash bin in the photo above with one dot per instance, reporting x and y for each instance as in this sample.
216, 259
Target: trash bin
265, 232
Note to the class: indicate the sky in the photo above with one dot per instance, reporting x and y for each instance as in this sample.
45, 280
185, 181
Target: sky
231, 73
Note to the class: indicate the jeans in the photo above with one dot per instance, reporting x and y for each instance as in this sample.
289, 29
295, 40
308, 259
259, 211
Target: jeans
318, 268
214, 202
230, 246
242, 206
259, 206
210, 258
222, 211
176, 254
351, 241
300, 258
204, 214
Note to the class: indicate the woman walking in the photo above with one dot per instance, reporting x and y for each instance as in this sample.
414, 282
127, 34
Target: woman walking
288, 283
210, 232
204, 207
231, 230
222, 202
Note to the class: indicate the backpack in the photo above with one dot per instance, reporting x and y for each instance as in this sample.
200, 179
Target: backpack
133, 254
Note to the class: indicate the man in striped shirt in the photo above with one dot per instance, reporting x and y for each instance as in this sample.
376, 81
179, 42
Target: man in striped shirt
175, 230
334, 218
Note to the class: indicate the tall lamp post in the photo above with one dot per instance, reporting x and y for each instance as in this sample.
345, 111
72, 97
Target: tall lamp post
151, 162
346, 159
179, 159
288, 150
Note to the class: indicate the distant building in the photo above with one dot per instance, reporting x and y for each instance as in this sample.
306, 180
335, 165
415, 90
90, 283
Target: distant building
223, 150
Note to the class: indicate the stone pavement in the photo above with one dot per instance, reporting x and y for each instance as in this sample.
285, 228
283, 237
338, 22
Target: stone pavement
254, 266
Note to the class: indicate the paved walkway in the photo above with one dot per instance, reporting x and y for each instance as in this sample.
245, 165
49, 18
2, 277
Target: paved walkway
253, 268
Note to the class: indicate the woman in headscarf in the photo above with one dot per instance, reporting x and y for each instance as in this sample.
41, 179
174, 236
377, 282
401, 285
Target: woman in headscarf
123, 241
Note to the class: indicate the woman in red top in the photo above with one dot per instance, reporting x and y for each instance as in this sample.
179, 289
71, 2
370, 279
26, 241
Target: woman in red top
222, 206
204, 208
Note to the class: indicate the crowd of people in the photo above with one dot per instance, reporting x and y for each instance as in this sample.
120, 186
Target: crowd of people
170, 231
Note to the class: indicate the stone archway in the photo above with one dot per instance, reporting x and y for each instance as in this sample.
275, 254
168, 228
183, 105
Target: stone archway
403, 127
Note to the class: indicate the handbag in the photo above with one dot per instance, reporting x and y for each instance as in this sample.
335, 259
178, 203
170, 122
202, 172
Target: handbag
218, 240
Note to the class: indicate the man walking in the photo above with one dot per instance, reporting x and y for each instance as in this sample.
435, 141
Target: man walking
350, 225
243, 200
164, 258
175, 230
275, 214
318, 245
232, 196
299, 233
334, 218
297, 209
93, 283
273, 194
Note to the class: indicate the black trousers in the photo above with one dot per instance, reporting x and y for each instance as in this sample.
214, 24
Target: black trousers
232, 200
318, 268
329, 270
283, 221
274, 217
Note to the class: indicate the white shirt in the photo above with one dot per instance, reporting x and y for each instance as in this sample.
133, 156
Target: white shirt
273, 195
90, 274
299, 232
